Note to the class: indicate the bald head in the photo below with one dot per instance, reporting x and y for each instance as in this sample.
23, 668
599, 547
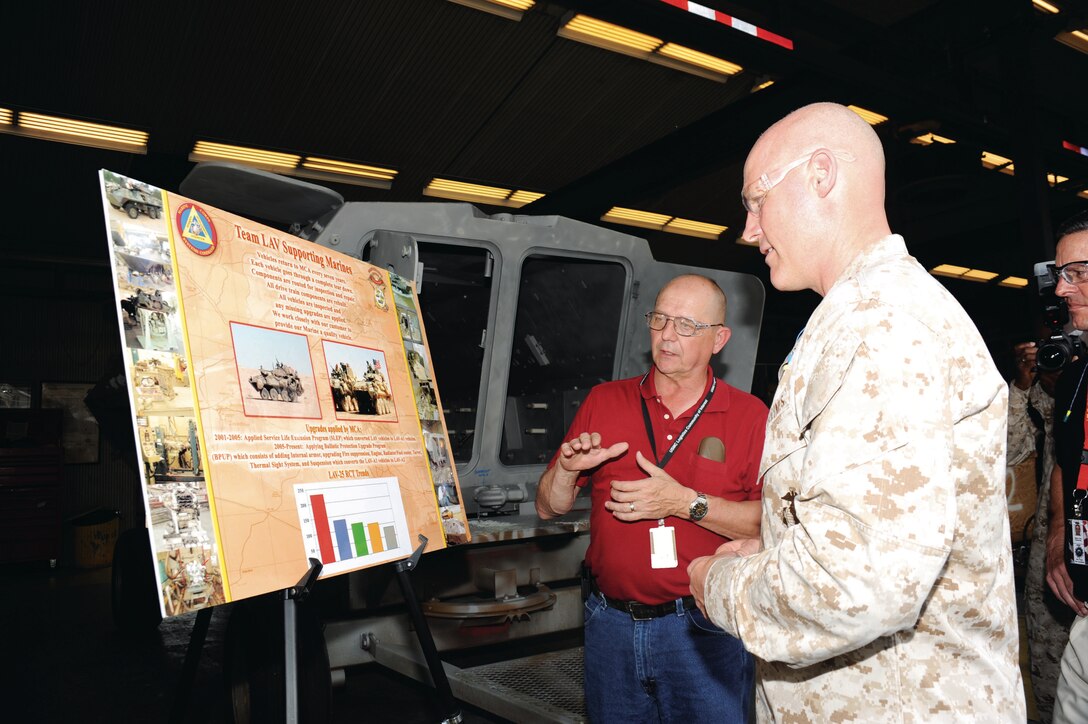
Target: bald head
705, 290
833, 127
816, 178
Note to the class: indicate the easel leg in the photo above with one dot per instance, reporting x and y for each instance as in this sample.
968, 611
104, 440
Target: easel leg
189, 668
451, 711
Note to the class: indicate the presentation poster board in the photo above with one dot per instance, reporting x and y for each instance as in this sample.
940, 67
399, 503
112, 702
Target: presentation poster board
284, 401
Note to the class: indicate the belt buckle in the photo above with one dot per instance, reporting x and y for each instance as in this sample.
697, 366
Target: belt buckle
644, 612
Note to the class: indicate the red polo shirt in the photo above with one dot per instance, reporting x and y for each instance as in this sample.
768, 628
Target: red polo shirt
619, 553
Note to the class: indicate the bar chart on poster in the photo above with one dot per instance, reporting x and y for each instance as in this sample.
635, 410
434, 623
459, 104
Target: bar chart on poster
347, 521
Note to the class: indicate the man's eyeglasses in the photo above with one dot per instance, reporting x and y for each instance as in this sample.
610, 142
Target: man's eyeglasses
684, 327
1075, 272
753, 196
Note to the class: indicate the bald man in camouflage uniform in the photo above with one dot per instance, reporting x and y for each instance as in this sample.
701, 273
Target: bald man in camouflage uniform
882, 588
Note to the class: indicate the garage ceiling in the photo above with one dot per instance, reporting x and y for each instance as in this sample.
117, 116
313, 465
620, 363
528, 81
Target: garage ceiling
433, 88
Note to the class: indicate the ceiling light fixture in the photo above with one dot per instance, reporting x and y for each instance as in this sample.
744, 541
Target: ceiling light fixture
764, 84
931, 138
269, 160
735, 23
998, 163
1077, 40
962, 272
69, 130
293, 164
495, 195
663, 222
356, 174
1013, 282
1054, 179
871, 117
616, 38
1045, 7
509, 9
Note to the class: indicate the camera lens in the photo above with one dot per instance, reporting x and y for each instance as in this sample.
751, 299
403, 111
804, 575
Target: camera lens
1052, 356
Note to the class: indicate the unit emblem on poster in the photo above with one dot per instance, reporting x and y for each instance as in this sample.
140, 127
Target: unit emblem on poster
196, 229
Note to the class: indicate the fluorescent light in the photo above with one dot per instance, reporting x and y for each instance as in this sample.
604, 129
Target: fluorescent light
634, 217
663, 222
525, 197
1054, 179
701, 60
962, 272
611, 37
356, 174
1045, 7
273, 160
949, 270
495, 195
977, 275
69, 130
871, 117
509, 9
1014, 282
1077, 40
764, 84
930, 138
1083, 194
1000, 163
605, 35
700, 229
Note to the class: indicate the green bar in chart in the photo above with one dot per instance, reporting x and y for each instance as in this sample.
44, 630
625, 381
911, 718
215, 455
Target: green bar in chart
358, 531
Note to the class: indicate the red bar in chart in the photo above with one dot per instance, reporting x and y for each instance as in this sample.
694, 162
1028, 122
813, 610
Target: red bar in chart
321, 526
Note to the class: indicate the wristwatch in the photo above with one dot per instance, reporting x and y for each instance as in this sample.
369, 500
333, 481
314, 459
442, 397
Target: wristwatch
698, 508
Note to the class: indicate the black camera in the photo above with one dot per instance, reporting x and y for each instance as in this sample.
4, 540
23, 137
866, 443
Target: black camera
1061, 347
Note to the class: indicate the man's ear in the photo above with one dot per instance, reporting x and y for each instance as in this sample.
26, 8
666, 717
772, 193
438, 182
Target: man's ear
721, 337
824, 171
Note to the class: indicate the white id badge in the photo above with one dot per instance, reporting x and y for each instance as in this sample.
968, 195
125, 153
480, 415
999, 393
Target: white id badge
1079, 542
663, 547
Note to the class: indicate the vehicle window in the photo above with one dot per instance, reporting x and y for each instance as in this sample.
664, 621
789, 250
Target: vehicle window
454, 298
565, 337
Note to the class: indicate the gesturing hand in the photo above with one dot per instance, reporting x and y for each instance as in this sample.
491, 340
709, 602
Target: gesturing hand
656, 496
585, 452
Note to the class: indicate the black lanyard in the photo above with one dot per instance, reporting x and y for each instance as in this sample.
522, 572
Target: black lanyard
684, 433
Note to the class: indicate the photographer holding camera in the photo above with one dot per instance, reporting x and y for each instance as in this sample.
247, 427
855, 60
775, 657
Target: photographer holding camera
1066, 562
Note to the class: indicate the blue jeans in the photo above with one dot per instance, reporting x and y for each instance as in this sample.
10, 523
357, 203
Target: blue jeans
676, 668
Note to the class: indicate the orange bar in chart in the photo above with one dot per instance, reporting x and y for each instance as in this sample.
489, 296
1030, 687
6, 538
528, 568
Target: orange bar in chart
375, 538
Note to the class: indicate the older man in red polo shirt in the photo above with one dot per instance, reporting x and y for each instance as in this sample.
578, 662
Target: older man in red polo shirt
672, 458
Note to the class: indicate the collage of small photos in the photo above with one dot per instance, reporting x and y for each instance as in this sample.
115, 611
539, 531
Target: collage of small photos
430, 418
187, 562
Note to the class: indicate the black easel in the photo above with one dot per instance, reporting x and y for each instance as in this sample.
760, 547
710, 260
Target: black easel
291, 598
188, 669
423, 632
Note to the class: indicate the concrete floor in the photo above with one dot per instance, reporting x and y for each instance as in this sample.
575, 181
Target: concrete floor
65, 662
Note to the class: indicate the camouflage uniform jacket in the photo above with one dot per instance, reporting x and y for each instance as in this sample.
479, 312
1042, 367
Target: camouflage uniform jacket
884, 590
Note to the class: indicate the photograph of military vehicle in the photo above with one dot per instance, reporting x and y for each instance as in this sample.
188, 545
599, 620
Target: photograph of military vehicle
359, 393
275, 375
279, 383
134, 198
